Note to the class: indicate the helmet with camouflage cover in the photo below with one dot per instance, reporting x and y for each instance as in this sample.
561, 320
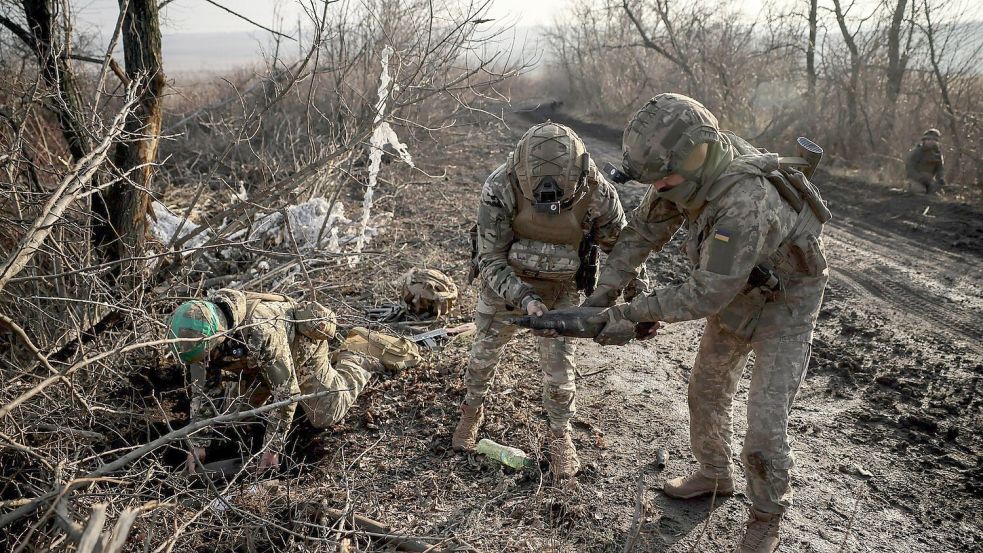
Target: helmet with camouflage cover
427, 291
670, 134
198, 319
932, 134
549, 165
316, 321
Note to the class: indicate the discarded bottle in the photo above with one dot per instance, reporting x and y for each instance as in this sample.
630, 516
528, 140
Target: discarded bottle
509, 456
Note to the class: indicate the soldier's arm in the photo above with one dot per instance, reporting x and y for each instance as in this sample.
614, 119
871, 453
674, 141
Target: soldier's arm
649, 228
495, 214
205, 391
940, 168
609, 215
608, 226
727, 254
271, 344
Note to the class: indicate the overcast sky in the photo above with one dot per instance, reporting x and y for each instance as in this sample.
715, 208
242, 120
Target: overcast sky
198, 16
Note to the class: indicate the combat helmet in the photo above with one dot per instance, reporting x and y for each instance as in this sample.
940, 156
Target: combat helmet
549, 166
427, 291
670, 134
933, 134
196, 319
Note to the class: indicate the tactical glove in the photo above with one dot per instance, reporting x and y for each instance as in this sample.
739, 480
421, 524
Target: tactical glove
618, 330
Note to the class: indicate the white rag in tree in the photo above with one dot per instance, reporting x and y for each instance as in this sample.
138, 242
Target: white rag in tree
383, 135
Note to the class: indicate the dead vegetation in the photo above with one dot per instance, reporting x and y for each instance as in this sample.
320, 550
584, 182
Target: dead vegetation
863, 79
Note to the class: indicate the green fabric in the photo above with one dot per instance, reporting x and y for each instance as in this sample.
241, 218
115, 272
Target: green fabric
193, 319
692, 193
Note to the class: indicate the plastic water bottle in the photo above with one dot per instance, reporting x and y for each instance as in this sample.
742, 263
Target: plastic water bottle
510, 456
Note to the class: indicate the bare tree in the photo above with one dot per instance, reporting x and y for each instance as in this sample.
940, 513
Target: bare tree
126, 205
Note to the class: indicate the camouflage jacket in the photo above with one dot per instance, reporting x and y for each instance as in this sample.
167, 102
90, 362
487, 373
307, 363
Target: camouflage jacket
739, 226
261, 353
496, 212
924, 162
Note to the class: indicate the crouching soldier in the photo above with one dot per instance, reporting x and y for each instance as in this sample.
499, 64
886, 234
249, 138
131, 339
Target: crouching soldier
538, 213
924, 165
252, 348
759, 273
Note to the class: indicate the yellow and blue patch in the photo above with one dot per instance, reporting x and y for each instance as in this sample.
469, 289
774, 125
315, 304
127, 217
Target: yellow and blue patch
723, 250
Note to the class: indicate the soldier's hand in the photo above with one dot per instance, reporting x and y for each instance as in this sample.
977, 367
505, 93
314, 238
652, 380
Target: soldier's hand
536, 308
618, 330
269, 460
190, 465
647, 330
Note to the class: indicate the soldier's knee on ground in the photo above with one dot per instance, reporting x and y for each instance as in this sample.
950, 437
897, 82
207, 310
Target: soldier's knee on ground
323, 418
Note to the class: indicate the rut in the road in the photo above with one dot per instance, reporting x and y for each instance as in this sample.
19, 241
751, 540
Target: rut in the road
948, 318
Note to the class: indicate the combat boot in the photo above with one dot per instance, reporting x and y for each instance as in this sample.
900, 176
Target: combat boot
695, 485
762, 534
563, 455
466, 433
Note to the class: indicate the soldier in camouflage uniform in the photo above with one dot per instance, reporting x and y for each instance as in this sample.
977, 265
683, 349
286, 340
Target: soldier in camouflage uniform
759, 273
924, 164
252, 348
534, 214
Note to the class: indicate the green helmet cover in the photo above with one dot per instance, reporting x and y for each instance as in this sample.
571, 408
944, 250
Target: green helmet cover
195, 319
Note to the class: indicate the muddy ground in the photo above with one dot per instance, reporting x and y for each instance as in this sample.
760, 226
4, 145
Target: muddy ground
885, 429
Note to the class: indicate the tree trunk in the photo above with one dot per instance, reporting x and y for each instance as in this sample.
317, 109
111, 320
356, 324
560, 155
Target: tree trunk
128, 202
853, 88
811, 50
896, 66
943, 81
58, 74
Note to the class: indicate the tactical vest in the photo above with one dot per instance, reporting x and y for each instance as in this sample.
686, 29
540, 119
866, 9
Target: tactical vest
547, 247
233, 353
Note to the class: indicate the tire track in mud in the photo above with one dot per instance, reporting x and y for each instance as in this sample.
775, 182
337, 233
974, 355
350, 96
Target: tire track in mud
949, 318
908, 280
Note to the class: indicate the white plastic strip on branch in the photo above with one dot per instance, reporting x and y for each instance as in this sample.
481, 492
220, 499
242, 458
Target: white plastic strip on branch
382, 136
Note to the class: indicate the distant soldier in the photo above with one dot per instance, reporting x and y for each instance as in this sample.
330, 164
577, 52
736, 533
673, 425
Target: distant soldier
925, 166
753, 236
539, 215
253, 348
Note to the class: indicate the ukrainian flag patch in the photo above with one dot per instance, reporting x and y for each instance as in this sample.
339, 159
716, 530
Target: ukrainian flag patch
722, 251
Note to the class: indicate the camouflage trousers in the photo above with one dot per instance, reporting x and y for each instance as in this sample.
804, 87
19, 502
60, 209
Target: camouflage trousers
556, 355
779, 370
346, 378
